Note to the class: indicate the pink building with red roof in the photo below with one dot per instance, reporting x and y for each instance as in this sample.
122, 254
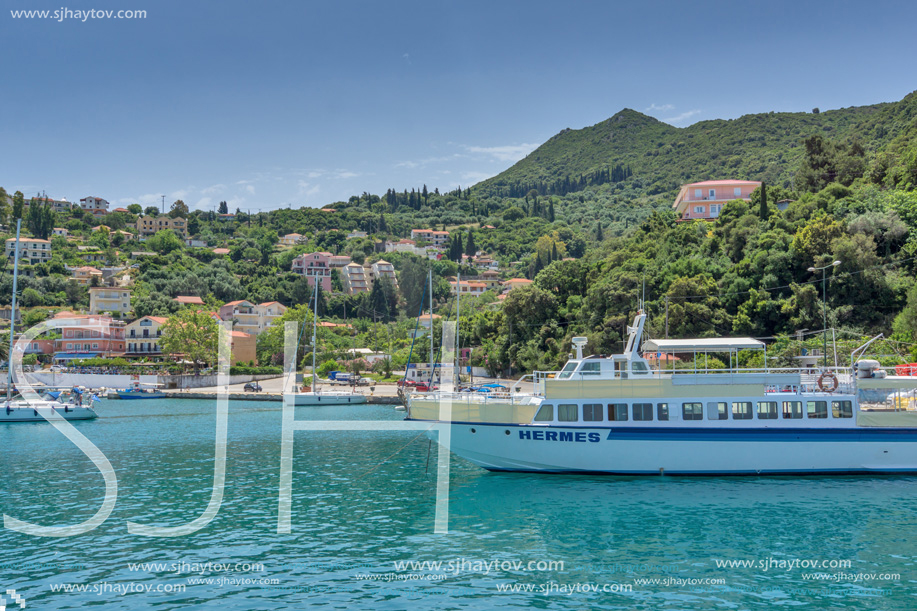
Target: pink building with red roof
705, 200
316, 267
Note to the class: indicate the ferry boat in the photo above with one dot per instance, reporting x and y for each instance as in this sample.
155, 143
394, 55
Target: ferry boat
617, 415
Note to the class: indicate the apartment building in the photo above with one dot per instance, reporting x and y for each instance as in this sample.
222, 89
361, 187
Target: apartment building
105, 299
31, 250
142, 336
704, 200
149, 225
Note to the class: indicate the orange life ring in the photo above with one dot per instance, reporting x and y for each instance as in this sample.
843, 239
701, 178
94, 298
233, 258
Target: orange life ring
827, 382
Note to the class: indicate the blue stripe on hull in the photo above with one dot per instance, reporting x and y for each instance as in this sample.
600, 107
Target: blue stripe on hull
689, 433
713, 473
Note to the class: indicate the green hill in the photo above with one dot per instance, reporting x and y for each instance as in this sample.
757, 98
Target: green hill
660, 157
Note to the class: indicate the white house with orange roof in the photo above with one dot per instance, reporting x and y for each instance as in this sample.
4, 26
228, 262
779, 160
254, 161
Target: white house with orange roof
268, 312
704, 200
243, 315
96, 206
436, 238
514, 283
292, 239
85, 274
142, 336
251, 318
468, 287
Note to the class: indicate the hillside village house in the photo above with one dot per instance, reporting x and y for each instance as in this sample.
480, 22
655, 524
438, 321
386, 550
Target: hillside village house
383, 269
468, 288
316, 267
149, 225
96, 206
114, 300
58, 205
242, 346
61, 231
356, 234
250, 318
514, 283
436, 238
31, 250
101, 336
142, 336
354, 279
85, 274
189, 300
704, 200
292, 239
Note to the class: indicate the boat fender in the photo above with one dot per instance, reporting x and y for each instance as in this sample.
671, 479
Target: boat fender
827, 382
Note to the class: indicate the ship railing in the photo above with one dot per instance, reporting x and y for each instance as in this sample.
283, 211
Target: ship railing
478, 397
808, 378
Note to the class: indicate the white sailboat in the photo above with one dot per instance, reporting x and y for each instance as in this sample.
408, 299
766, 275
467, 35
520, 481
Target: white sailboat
314, 396
72, 405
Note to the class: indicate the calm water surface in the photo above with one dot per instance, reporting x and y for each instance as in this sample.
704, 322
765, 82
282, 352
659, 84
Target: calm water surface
364, 501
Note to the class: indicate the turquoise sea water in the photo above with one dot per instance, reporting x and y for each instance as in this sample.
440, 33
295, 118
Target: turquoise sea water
364, 501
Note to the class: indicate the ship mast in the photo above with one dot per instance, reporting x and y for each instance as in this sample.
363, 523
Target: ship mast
9, 357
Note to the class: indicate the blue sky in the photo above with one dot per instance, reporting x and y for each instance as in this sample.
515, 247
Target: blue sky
269, 104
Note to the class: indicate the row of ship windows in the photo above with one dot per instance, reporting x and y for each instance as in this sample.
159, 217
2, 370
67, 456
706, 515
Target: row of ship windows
716, 410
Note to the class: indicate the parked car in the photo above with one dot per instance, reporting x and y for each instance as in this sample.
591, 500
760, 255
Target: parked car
252, 387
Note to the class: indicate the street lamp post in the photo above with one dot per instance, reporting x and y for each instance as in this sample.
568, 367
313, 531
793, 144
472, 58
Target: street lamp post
824, 304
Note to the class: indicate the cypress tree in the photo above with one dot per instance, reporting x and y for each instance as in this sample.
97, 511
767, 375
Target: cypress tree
762, 211
599, 235
470, 248
551, 211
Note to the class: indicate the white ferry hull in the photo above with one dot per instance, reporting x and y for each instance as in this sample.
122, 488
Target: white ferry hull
30, 414
677, 451
319, 399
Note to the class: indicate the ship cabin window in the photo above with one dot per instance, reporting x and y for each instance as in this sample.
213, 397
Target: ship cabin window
643, 411
842, 409
717, 410
591, 369
639, 368
545, 413
567, 413
767, 410
567, 371
662, 411
617, 412
692, 411
592, 412
817, 409
741, 410
792, 410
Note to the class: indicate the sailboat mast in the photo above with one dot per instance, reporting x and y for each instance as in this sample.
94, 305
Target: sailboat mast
314, 334
9, 357
430, 291
458, 320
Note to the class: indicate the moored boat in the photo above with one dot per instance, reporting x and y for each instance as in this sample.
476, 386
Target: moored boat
70, 405
617, 415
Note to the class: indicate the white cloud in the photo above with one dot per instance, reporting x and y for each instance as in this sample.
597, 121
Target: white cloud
682, 117
659, 108
203, 203
180, 194
250, 189
212, 189
510, 152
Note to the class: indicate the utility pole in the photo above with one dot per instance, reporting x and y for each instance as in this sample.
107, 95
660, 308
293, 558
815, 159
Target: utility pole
824, 304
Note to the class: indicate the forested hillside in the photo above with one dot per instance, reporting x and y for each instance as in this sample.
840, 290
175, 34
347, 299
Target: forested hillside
588, 217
